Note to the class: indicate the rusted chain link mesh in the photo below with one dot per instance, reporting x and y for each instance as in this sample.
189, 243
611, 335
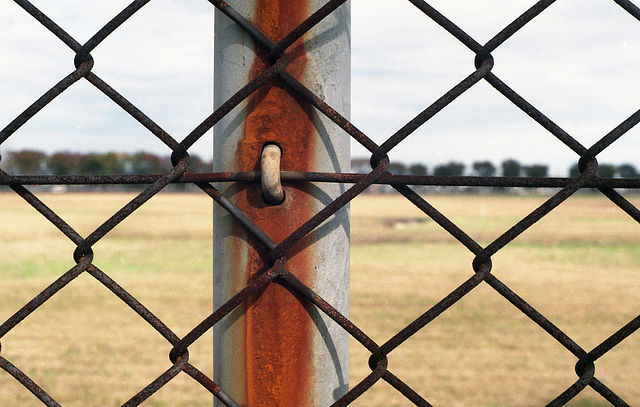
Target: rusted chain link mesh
83, 255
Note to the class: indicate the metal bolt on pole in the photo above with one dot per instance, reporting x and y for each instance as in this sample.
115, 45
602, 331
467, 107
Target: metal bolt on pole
277, 349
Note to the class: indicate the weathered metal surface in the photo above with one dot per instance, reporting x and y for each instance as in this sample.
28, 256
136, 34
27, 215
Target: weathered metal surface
294, 177
270, 174
278, 350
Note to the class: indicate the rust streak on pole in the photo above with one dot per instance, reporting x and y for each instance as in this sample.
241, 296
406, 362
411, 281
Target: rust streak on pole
277, 350
278, 326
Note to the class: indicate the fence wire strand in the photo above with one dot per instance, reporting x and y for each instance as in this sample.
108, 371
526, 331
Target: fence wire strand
277, 251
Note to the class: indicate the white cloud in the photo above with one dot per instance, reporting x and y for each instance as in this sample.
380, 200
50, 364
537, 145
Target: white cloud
577, 62
161, 60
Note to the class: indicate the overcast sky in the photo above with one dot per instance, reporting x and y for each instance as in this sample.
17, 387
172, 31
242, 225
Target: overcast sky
578, 63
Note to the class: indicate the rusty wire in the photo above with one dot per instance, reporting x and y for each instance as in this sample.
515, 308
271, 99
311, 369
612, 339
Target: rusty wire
278, 274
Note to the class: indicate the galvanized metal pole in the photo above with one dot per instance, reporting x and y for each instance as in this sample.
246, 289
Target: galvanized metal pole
277, 349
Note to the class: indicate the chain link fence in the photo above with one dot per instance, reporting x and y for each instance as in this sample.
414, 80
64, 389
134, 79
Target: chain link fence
481, 273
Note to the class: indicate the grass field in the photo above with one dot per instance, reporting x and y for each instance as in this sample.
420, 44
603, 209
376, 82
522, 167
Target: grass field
578, 266
84, 346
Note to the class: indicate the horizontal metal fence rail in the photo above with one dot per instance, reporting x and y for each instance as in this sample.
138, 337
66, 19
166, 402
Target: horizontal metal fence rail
277, 71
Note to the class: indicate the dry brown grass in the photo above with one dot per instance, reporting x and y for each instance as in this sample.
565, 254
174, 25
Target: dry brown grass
578, 266
84, 346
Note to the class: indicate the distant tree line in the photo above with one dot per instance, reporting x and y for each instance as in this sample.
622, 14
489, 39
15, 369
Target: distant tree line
508, 168
33, 162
